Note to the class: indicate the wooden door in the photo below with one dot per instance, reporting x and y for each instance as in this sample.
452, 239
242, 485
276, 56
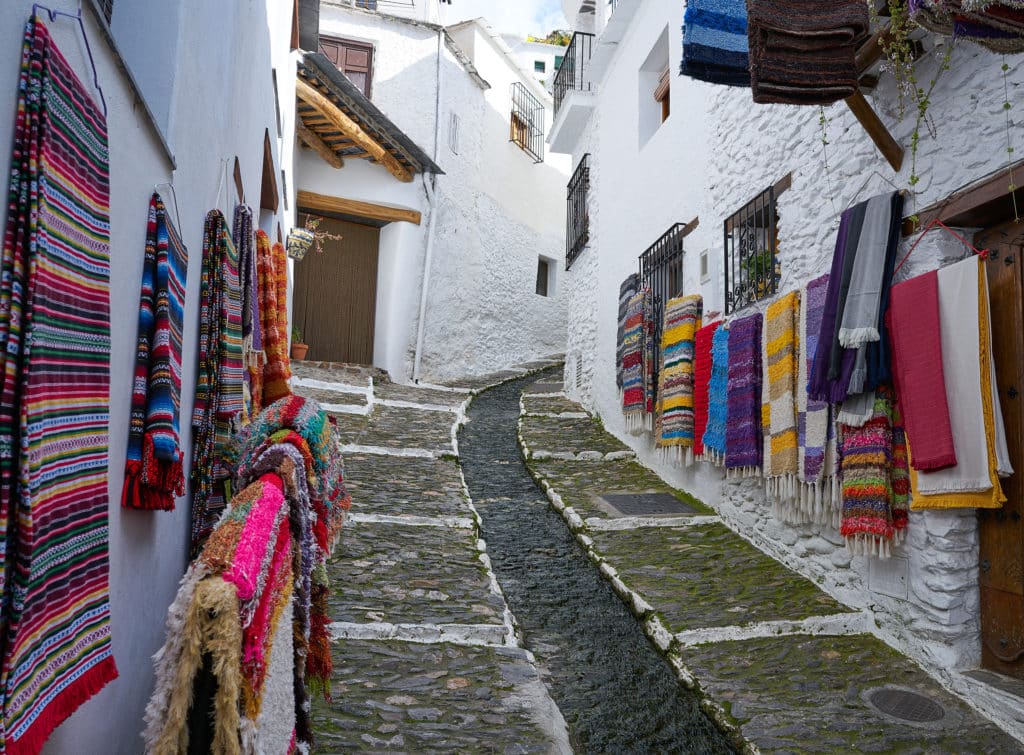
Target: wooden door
1001, 552
336, 294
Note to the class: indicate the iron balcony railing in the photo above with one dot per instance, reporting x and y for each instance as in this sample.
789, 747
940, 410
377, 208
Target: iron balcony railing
752, 270
661, 270
574, 73
526, 124
577, 218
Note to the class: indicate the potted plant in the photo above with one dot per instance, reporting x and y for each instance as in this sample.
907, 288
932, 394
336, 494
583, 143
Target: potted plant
301, 240
299, 349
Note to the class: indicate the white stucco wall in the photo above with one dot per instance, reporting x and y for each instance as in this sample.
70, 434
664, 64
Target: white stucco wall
497, 211
222, 101
716, 152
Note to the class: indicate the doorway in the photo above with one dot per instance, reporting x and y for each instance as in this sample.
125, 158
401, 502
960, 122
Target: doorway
1001, 531
336, 292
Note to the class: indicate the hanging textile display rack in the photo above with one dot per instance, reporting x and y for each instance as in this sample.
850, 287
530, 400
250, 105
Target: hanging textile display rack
53, 14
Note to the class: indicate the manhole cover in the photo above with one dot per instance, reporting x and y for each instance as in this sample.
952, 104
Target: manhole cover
545, 388
646, 504
906, 705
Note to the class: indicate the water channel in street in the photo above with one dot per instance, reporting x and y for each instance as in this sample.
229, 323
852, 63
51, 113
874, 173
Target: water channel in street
614, 689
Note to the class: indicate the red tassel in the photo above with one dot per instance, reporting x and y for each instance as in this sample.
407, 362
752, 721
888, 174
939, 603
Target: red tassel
131, 493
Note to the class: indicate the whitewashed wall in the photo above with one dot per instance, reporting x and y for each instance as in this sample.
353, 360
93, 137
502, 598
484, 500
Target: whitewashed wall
496, 210
219, 105
716, 152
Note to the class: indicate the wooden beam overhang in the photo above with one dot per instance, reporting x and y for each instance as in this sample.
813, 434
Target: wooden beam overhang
315, 143
350, 129
309, 200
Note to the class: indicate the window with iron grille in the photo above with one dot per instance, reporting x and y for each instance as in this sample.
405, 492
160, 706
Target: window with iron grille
107, 6
368, 4
526, 126
752, 269
577, 219
661, 270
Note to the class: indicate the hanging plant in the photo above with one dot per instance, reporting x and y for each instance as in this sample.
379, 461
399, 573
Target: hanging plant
1007, 106
301, 240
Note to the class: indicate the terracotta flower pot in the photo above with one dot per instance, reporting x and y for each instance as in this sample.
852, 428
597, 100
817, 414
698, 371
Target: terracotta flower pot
299, 351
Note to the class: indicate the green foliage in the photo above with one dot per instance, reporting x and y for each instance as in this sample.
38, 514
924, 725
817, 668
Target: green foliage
296, 334
559, 37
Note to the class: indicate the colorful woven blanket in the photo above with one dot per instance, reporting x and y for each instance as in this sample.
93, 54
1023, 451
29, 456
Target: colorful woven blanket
875, 484
803, 52
244, 240
743, 435
219, 401
718, 397
816, 493
779, 400
54, 413
277, 370
627, 291
998, 26
715, 42
650, 349
153, 473
633, 365
701, 384
916, 337
975, 415
673, 432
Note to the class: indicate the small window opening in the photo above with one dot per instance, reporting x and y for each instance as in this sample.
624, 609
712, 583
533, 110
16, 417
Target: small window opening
662, 94
539, 66
543, 276
453, 133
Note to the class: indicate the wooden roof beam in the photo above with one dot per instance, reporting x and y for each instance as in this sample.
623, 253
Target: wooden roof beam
353, 130
316, 144
312, 201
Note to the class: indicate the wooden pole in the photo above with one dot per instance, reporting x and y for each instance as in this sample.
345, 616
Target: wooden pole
887, 145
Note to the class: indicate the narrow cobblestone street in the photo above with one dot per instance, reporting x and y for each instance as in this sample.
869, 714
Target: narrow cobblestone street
740, 652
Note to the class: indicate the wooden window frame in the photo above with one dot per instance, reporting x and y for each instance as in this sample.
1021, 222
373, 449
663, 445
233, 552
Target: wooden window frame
663, 94
344, 43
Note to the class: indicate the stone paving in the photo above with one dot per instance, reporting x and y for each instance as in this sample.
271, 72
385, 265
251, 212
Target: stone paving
426, 655
775, 660
550, 435
549, 404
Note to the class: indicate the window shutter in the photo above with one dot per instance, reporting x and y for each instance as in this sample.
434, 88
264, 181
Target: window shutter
354, 59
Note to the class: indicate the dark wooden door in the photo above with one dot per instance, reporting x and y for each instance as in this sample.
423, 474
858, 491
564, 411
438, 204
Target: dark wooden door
336, 294
1001, 531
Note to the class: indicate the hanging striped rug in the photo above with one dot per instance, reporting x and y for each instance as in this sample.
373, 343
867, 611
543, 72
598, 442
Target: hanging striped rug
674, 423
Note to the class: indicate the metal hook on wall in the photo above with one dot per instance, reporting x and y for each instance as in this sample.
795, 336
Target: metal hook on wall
36, 7
174, 195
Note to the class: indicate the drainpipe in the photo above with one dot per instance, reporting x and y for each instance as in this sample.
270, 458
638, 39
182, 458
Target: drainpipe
431, 190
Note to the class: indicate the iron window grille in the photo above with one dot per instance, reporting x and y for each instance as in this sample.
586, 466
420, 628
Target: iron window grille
526, 126
574, 73
752, 269
661, 270
577, 218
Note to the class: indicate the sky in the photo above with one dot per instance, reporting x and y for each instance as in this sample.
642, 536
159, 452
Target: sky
523, 17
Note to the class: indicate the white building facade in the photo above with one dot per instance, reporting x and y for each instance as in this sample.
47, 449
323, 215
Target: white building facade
170, 123
693, 165
473, 285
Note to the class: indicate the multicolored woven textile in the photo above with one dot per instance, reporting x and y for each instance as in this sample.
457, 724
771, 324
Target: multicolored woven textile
718, 397
650, 348
715, 42
701, 384
219, 399
673, 431
55, 324
153, 473
803, 52
779, 400
633, 364
244, 239
998, 26
743, 435
817, 497
627, 290
277, 371
875, 482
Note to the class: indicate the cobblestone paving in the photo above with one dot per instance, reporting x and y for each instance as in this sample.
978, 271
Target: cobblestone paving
568, 435
580, 483
705, 576
397, 696
394, 427
804, 694
384, 389
411, 575
550, 405
616, 693
784, 694
484, 381
348, 374
406, 697
334, 397
394, 485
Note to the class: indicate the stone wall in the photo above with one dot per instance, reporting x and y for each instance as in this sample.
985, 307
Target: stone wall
718, 153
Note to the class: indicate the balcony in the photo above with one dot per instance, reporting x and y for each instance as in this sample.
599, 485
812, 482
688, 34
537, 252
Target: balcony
572, 91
